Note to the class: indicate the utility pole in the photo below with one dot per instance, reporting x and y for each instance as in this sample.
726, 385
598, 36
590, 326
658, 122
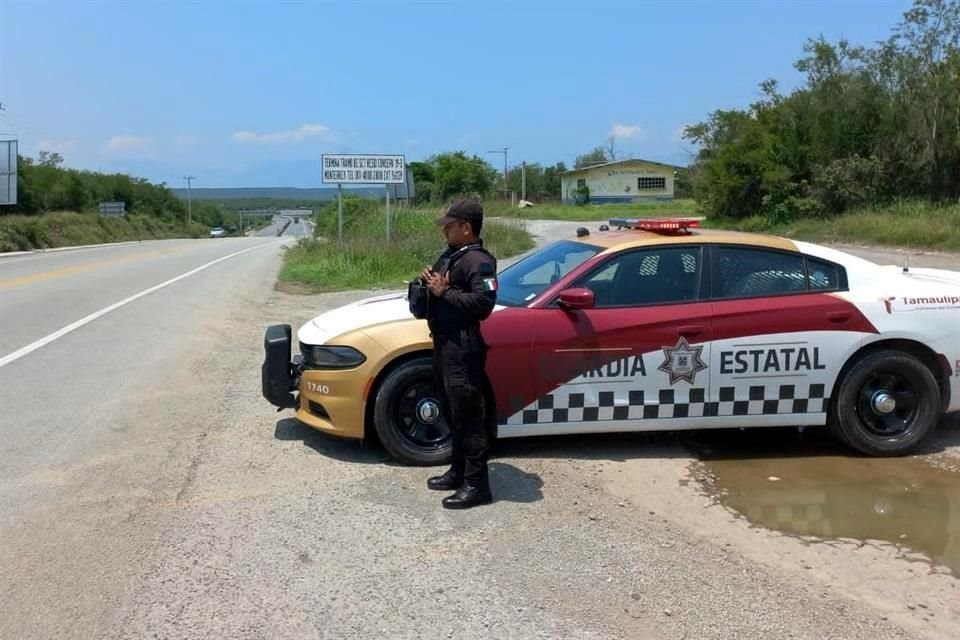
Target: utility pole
189, 179
523, 180
504, 152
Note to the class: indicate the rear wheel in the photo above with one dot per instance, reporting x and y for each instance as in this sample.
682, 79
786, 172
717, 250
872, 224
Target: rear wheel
887, 404
408, 418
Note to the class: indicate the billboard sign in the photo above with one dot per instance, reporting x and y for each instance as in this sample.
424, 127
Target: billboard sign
355, 168
113, 208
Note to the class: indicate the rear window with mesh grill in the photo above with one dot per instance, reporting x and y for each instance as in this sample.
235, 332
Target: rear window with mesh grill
751, 272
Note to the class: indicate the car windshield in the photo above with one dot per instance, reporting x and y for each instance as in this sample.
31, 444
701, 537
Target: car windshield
525, 280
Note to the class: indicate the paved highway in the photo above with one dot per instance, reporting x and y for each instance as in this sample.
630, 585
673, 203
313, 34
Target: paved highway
105, 357
298, 228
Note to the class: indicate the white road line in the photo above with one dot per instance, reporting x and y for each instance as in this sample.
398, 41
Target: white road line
42, 342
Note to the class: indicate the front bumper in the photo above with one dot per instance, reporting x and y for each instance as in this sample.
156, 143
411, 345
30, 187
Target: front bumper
279, 375
332, 401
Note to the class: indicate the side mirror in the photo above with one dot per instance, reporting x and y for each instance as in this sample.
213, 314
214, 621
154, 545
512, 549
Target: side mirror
577, 298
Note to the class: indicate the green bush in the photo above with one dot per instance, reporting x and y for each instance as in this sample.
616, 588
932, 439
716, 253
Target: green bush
581, 195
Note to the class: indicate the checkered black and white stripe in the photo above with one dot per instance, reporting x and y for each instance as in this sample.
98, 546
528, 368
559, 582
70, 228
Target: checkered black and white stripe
569, 405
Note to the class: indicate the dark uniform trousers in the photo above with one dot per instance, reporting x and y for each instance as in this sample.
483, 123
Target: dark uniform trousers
459, 357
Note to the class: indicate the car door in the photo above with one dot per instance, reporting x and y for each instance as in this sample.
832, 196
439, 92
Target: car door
635, 360
780, 336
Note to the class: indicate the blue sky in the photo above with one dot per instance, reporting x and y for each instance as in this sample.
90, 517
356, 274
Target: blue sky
250, 94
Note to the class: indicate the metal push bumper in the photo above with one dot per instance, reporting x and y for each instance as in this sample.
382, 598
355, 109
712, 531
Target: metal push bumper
279, 374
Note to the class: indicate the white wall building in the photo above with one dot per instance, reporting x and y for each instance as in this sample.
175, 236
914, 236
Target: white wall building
621, 181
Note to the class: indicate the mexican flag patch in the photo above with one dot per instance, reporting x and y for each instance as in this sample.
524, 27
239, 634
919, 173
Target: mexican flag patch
490, 284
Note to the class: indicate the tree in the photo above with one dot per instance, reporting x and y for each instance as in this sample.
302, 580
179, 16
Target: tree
423, 180
455, 174
597, 155
552, 187
868, 125
48, 159
543, 183
610, 149
43, 185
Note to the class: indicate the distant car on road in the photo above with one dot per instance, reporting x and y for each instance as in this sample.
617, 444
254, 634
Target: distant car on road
217, 232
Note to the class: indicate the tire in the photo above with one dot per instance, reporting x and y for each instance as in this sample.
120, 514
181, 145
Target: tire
870, 428
401, 416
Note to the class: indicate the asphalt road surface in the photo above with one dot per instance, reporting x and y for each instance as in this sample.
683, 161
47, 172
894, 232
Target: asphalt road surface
147, 490
300, 227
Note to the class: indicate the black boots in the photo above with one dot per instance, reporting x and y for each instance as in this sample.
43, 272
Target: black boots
468, 496
449, 481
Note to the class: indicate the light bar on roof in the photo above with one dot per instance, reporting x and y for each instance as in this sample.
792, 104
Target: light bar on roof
656, 224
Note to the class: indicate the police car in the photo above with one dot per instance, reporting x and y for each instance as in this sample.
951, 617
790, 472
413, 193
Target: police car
645, 325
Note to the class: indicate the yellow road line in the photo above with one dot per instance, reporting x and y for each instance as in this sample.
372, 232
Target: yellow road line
80, 268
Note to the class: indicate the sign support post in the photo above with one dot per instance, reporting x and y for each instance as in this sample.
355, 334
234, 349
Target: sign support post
340, 213
387, 189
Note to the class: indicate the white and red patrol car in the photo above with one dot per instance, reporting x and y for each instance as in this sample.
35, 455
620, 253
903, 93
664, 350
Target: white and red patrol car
651, 325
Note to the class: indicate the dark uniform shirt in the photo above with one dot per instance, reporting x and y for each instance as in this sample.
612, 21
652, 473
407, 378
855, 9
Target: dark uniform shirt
472, 293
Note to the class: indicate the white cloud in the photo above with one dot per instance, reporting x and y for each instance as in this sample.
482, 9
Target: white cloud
120, 144
300, 134
626, 131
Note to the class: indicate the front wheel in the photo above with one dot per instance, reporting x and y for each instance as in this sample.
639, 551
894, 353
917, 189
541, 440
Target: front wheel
408, 417
887, 403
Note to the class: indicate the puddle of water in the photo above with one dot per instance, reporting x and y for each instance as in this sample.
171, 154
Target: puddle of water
828, 494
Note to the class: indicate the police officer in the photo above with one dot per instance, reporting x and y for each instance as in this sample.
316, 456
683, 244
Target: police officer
462, 287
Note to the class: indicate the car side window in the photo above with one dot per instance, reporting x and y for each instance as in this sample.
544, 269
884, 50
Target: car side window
823, 276
550, 272
756, 272
664, 275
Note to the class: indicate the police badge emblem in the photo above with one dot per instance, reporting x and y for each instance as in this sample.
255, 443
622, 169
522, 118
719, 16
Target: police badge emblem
682, 362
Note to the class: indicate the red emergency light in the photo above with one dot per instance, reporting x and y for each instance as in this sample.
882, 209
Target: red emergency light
659, 225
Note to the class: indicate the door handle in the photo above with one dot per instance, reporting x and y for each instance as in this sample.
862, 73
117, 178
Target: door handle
690, 329
838, 316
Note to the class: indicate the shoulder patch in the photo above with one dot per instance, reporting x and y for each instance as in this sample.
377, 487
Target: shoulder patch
486, 269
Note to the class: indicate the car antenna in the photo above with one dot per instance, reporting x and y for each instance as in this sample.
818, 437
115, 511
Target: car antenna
906, 265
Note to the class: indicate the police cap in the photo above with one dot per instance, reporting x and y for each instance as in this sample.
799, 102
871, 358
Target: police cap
465, 210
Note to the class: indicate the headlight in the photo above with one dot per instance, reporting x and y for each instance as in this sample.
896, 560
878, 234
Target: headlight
328, 357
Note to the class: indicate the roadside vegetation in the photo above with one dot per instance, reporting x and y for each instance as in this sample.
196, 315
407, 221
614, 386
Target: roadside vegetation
68, 229
57, 207
593, 212
915, 224
366, 260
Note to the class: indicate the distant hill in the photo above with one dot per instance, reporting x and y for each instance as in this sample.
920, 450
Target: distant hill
321, 194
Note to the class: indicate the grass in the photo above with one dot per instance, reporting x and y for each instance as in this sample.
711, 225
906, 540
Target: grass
66, 229
593, 212
366, 260
908, 223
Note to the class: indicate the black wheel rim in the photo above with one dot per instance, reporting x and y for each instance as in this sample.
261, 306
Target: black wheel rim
887, 404
415, 416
